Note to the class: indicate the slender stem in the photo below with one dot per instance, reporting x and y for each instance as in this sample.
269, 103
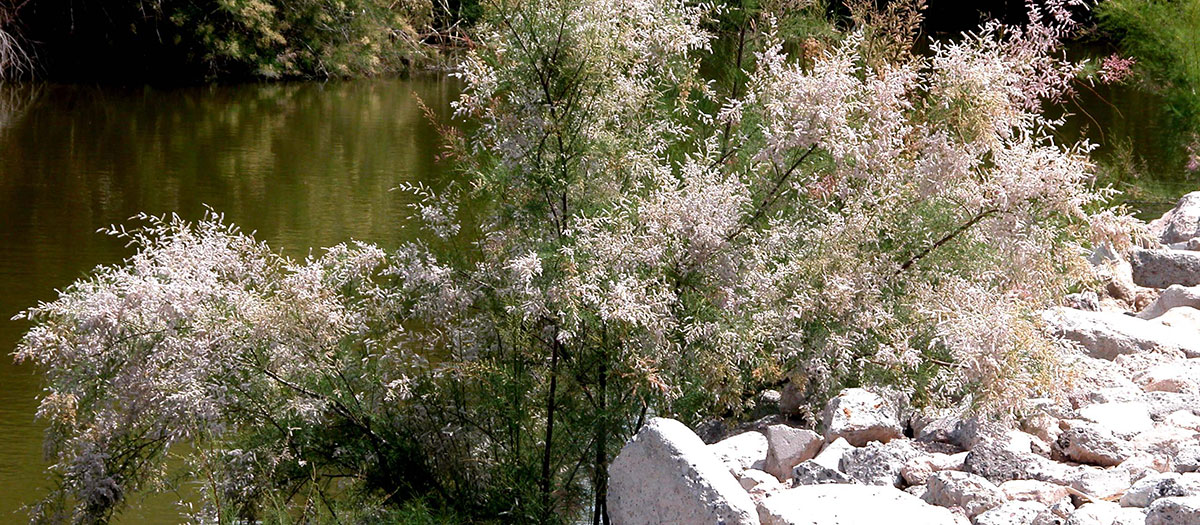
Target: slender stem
549, 429
945, 239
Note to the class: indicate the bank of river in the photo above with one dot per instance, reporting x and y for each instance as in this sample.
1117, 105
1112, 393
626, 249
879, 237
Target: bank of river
305, 165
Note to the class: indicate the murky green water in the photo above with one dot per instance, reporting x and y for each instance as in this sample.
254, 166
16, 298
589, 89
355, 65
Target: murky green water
306, 165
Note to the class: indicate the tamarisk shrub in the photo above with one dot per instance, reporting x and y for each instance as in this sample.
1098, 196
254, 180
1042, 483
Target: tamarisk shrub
642, 242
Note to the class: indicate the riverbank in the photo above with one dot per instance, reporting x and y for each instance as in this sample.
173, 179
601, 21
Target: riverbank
1122, 446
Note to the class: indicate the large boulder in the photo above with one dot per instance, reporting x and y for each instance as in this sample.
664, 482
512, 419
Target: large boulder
1158, 486
1174, 511
1090, 443
743, 451
1106, 513
666, 474
1018, 513
1124, 419
973, 494
860, 416
831, 455
788, 447
1180, 376
1106, 335
849, 505
999, 463
812, 473
1175, 296
879, 463
1180, 223
1163, 268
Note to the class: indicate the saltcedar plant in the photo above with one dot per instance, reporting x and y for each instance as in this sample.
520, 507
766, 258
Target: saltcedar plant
858, 215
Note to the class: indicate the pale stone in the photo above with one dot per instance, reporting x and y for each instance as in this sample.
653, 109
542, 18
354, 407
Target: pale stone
1174, 511
1106, 335
1120, 418
972, 493
1165, 441
1042, 492
830, 457
998, 464
1163, 268
1165, 485
666, 474
1089, 443
1173, 297
1105, 513
861, 416
878, 463
1101, 483
1185, 419
743, 451
787, 447
1142, 464
1179, 376
1017, 513
849, 505
754, 480
916, 471
812, 473
1181, 223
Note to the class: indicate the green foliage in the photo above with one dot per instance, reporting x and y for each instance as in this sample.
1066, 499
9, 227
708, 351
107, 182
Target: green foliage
1163, 36
297, 38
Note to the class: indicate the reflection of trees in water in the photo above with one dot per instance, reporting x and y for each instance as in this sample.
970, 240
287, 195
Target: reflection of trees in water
308, 164
14, 59
15, 99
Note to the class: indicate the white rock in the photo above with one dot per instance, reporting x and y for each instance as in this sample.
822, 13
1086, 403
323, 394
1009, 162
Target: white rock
666, 474
1181, 376
1017, 513
1105, 513
969, 492
1101, 483
849, 505
1185, 419
916, 471
831, 456
754, 480
1042, 492
812, 473
1165, 485
1106, 335
1120, 418
1090, 443
998, 464
787, 447
878, 463
1174, 511
1180, 223
743, 451
1172, 297
1163, 268
860, 416
1165, 441
1182, 317
1142, 464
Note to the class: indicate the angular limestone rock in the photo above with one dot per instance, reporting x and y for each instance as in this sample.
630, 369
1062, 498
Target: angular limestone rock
850, 505
666, 474
860, 416
788, 447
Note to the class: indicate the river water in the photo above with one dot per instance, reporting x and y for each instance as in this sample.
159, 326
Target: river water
304, 165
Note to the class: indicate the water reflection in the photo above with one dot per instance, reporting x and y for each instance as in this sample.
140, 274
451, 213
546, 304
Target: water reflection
304, 164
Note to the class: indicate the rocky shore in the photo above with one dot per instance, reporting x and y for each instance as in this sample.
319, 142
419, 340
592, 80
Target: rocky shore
1122, 449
